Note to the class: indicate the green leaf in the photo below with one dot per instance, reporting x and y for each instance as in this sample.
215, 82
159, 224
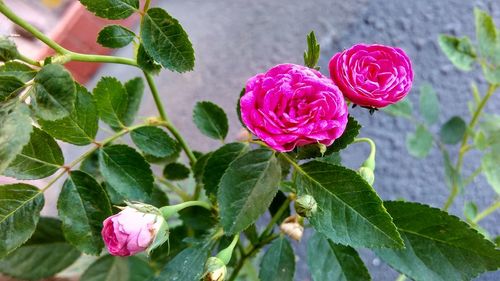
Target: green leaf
459, 51
176, 171
154, 141
8, 49
211, 120
21, 205
110, 268
247, 188
429, 104
487, 36
278, 263
115, 36
311, 55
453, 130
199, 167
40, 158
330, 261
402, 108
470, 210
218, 162
112, 101
83, 205
80, 127
135, 90
198, 218
10, 86
112, 9
165, 41
54, 91
146, 62
490, 164
419, 144
126, 172
343, 215
175, 245
480, 140
44, 255
19, 70
438, 246
188, 265
15, 132
313, 150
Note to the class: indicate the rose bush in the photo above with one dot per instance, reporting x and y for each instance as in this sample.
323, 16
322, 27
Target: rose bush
372, 75
204, 215
292, 105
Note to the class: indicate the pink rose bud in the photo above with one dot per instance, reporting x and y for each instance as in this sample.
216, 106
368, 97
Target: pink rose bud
372, 75
130, 231
292, 105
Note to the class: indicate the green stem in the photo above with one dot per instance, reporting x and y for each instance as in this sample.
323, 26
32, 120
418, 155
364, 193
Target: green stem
472, 176
146, 5
168, 211
182, 142
462, 151
276, 217
27, 60
72, 56
486, 212
370, 161
182, 194
225, 255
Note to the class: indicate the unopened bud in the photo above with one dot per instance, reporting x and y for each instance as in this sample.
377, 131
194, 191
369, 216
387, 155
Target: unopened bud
244, 135
215, 270
305, 205
367, 174
292, 228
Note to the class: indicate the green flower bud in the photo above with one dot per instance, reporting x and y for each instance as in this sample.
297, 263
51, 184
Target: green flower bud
215, 270
305, 205
367, 174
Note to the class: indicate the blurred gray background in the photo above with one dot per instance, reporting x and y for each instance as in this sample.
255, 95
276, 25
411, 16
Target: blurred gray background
234, 40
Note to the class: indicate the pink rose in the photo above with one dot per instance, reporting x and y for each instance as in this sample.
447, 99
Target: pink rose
130, 231
372, 75
292, 105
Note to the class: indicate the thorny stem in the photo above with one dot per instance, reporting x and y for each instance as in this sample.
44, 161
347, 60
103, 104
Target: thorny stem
475, 118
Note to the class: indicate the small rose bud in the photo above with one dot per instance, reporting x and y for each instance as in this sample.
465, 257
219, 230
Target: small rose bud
215, 270
367, 174
131, 231
292, 227
305, 205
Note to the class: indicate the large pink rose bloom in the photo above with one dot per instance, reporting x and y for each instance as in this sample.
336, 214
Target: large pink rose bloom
292, 105
372, 75
130, 231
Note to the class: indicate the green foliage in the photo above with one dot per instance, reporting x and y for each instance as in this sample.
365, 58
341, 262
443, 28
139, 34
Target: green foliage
146, 62
44, 255
80, 127
21, 205
459, 51
10, 87
112, 9
218, 162
15, 132
403, 108
154, 141
19, 70
126, 172
176, 171
438, 246
54, 92
247, 188
112, 100
115, 36
211, 120
488, 39
429, 104
165, 41
188, 265
8, 49
40, 158
135, 90
419, 143
453, 130
330, 261
278, 263
83, 205
344, 216
490, 164
109, 268
311, 55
